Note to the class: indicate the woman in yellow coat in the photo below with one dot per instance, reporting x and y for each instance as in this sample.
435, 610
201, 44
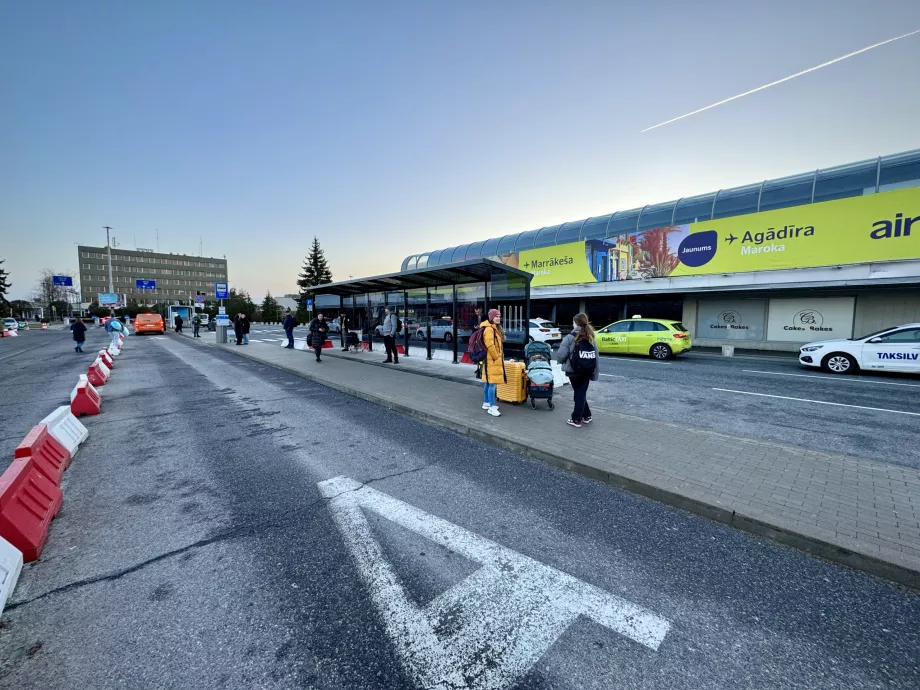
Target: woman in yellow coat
493, 366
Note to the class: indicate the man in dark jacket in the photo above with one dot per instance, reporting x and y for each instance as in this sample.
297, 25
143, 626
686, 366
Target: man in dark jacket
475, 320
318, 329
289, 323
178, 323
79, 334
238, 329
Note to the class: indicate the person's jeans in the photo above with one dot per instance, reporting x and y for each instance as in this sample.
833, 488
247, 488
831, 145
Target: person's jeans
245, 339
195, 329
80, 344
114, 338
580, 389
318, 351
289, 332
488, 393
389, 343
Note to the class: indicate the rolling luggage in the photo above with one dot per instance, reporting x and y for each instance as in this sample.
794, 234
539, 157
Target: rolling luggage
515, 390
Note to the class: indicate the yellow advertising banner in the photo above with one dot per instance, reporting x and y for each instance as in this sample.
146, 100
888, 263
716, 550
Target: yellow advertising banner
874, 227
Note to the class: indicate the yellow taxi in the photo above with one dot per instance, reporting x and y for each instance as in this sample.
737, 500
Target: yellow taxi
656, 338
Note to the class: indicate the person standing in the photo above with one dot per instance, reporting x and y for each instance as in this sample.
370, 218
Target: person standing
318, 329
343, 330
493, 338
580, 357
238, 329
289, 323
196, 324
79, 334
474, 325
389, 336
245, 329
177, 322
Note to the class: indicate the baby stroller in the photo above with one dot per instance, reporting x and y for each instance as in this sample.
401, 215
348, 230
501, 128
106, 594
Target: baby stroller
538, 359
352, 343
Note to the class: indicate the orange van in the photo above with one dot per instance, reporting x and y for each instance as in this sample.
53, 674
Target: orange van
149, 323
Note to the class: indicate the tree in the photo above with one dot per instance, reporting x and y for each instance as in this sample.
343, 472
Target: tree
271, 310
239, 302
5, 284
20, 307
315, 271
48, 295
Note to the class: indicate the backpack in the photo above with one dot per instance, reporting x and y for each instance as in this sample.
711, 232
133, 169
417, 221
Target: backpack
477, 347
583, 359
399, 325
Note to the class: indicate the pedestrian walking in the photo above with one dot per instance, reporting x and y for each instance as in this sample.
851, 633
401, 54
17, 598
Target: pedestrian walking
493, 338
79, 335
390, 328
114, 327
238, 329
579, 355
318, 330
196, 324
289, 323
177, 322
245, 330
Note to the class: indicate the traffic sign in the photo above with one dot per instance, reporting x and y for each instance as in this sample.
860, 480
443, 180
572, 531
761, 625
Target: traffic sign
220, 291
309, 304
142, 284
199, 299
62, 281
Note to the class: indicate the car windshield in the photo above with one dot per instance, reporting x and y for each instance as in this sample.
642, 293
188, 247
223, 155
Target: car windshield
872, 335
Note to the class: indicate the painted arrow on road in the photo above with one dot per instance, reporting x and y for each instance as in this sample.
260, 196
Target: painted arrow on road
486, 632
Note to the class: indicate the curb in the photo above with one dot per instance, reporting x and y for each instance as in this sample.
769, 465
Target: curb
819, 543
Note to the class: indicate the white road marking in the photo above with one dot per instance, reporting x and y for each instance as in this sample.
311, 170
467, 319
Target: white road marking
842, 379
817, 402
612, 376
488, 630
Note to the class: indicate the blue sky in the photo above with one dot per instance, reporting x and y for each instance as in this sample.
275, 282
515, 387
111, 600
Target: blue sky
388, 129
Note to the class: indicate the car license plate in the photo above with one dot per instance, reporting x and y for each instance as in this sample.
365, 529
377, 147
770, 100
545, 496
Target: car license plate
555, 335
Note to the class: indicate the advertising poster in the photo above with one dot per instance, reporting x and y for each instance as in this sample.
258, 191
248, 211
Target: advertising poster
804, 320
108, 299
737, 319
874, 227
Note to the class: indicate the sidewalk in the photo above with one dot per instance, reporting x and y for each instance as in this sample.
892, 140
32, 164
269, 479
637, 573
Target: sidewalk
859, 512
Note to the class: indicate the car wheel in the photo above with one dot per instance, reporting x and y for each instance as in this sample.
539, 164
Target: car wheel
839, 363
447, 337
529, 338
660, 351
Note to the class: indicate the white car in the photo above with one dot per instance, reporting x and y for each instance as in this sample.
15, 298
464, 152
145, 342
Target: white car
11, 324
893, 349
543, 331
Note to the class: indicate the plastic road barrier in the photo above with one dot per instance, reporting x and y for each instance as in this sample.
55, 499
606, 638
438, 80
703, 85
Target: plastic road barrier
44, 327
107, 359
98, 373
48, 455
114, 351
84, 399
66, 429
28, 502
10, 567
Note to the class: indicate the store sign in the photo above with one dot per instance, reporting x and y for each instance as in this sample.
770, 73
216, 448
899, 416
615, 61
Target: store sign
731, 319
804, 320
874, 227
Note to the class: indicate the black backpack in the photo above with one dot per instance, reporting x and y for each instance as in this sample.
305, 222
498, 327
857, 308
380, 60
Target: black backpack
398, 326
583, 358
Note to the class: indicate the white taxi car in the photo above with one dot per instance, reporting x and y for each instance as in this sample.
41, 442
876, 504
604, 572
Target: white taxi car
893, 349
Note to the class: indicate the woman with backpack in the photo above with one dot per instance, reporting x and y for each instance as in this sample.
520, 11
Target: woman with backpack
493, 364
578, 353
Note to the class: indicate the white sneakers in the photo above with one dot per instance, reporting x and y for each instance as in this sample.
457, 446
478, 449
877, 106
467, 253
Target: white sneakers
486, 406
493, 410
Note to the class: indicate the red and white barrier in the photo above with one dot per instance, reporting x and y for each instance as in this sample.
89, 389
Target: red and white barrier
66, 429
44, 327
28, 502
98, 373
107, 359
85, 399
49, 456
10, 567
114, 351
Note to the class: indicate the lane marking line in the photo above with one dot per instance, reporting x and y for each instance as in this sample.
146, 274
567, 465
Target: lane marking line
486, 632
817, 402
842, 379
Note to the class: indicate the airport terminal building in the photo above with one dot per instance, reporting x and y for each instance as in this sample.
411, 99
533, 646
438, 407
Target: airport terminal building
832, 253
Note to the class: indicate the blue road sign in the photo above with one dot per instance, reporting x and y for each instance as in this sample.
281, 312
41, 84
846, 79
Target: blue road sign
220, 291
62, 281
309, 304
142, 284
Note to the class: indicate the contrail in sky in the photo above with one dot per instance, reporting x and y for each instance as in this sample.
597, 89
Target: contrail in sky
780, 81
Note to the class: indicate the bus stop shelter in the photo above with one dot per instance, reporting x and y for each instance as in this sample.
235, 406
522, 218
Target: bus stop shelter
436, 305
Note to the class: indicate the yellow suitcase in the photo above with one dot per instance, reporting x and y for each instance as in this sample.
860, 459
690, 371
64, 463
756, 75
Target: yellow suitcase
515, 391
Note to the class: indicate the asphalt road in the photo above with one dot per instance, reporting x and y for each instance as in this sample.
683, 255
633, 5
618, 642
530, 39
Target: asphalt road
195, 550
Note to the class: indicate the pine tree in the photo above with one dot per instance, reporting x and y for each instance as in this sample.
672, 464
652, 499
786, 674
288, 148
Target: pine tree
315, 272
4, 283
271, 310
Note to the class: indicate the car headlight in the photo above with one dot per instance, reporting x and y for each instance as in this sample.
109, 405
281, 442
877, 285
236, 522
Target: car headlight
812, 348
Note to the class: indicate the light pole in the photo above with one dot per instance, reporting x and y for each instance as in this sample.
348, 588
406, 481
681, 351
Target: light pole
108, 246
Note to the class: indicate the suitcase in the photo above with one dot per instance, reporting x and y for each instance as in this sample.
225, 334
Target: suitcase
515, 390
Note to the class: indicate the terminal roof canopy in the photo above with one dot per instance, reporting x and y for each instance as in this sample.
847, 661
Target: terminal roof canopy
464, 272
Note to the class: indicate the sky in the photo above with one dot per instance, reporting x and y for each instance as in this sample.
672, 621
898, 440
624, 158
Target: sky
392, 128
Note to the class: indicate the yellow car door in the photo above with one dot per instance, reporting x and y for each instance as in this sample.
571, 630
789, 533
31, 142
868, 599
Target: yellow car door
641, 337
612, 340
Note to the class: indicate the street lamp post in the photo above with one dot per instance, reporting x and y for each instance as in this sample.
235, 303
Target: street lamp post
108, 246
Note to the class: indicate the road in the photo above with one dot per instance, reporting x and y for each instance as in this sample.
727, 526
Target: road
201, 545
